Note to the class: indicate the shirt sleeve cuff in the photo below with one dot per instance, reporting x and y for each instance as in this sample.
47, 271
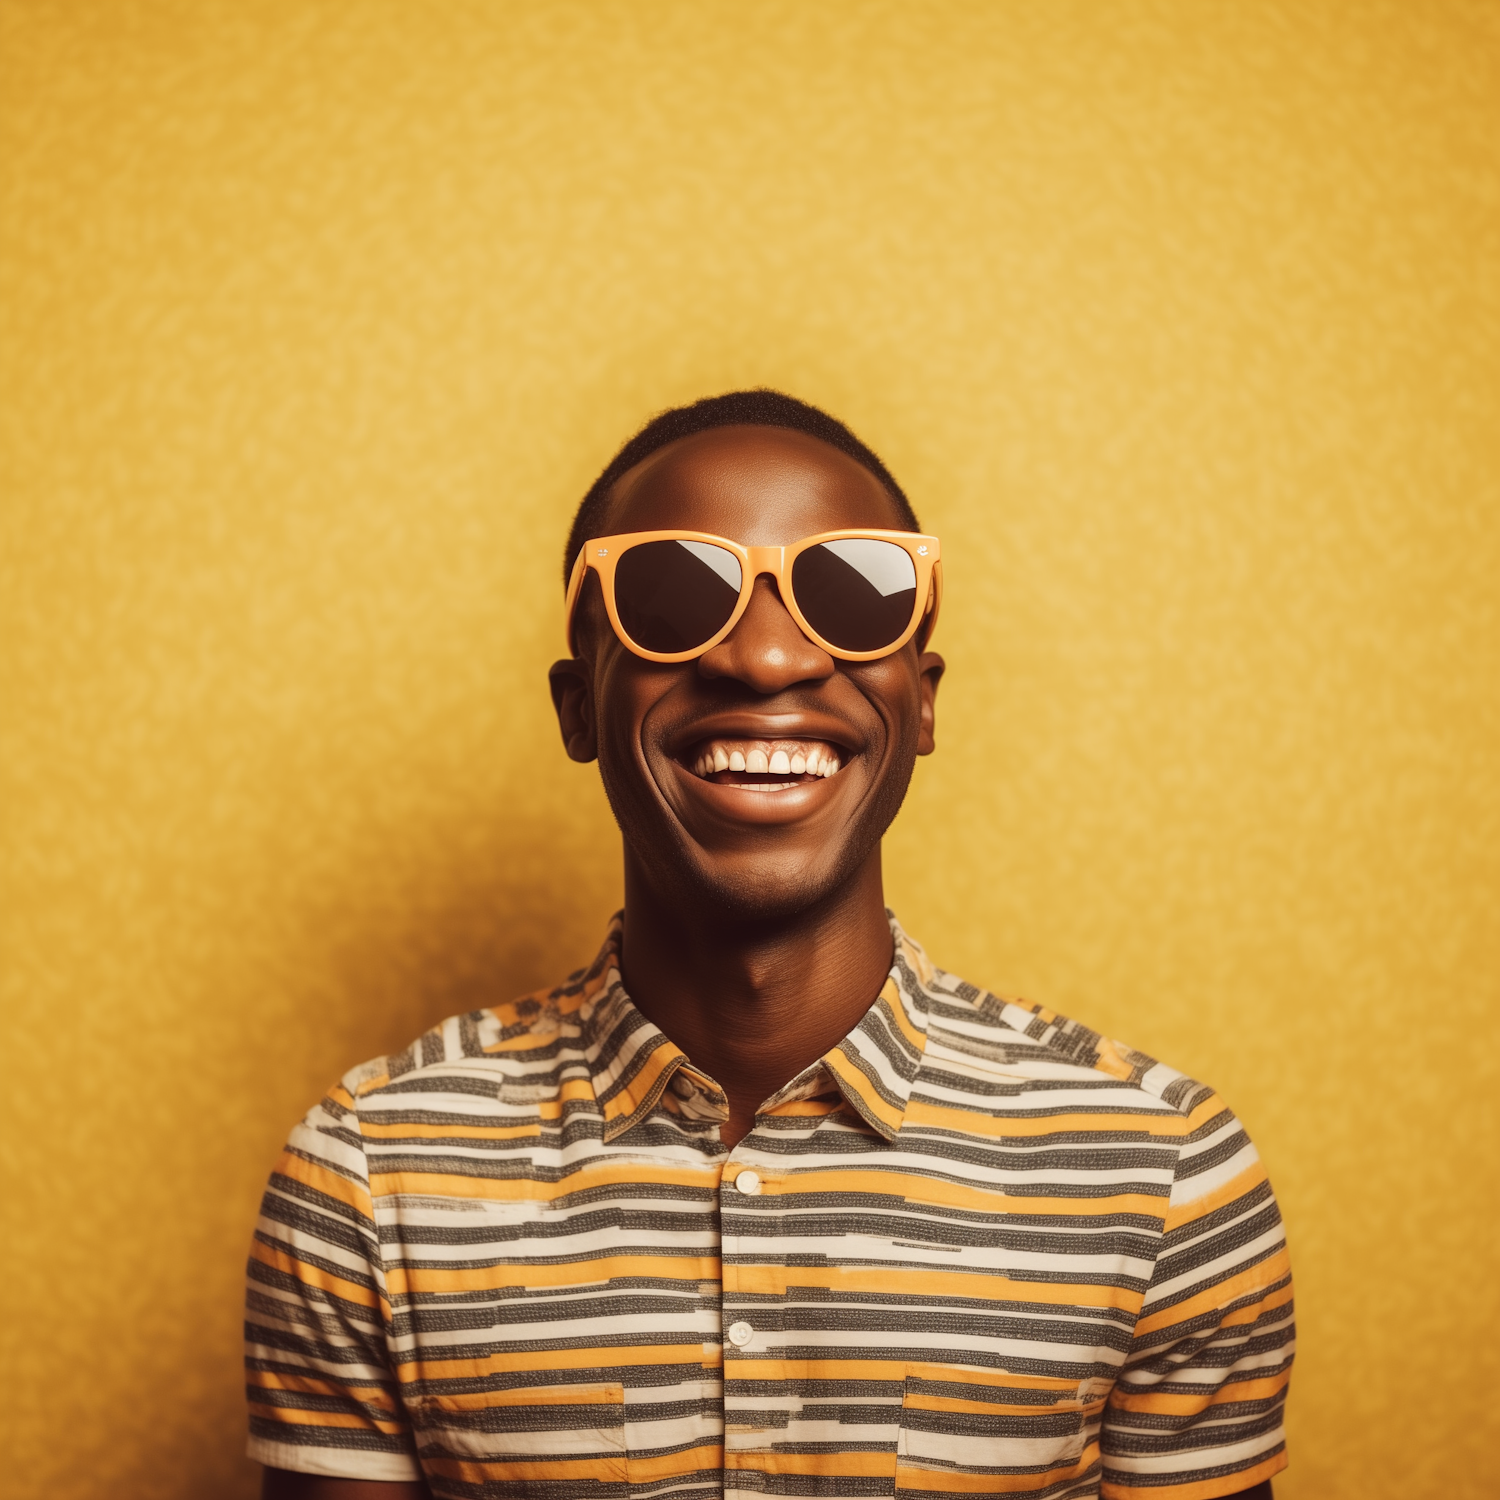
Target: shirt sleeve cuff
336, 1463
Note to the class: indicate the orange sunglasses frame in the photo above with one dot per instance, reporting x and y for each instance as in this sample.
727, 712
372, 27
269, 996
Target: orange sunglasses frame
603, 552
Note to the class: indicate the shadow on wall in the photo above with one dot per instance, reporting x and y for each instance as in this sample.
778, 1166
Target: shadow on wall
414, 921
462, 916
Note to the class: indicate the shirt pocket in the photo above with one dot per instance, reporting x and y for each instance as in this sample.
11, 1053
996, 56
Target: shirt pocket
961, 1427
568, 1437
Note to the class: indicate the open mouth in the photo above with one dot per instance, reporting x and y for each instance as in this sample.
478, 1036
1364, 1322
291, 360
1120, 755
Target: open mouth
764, 765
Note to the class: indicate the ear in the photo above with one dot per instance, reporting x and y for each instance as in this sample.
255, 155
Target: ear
931, 666
572, 684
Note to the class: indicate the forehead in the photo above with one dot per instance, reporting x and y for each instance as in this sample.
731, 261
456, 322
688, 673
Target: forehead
761, 486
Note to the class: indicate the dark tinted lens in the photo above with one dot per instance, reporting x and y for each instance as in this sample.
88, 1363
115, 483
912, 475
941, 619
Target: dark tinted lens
858, 594
674, 596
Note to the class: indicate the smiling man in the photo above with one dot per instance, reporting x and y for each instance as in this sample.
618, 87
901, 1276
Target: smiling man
761, 1201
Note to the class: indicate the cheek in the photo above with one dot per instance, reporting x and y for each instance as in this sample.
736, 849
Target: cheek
618, 719
892, 688
626, 689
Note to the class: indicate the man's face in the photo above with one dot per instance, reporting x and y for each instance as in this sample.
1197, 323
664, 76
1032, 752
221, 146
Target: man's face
757, 843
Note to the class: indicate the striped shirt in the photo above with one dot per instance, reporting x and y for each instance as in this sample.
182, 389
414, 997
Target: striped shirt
974, 1249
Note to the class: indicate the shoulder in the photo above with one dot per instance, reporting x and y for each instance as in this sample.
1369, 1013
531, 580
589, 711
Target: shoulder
976, 1029
528, 1040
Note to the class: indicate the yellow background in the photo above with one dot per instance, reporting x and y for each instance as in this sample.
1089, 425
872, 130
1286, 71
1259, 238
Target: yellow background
1179, 322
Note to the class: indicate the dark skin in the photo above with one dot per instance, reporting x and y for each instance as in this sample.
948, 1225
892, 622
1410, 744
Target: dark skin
767, 907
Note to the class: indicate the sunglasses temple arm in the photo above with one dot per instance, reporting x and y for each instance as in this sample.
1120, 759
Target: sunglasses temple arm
928, 623
572, 598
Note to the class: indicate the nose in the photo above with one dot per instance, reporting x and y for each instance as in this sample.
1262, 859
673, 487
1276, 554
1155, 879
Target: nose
765, 650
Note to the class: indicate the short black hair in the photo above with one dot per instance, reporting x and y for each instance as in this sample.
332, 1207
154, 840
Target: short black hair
756, 408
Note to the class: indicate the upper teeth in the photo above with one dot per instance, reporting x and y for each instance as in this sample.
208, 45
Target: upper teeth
768, 757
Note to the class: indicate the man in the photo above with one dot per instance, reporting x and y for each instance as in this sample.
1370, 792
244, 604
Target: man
761, 1202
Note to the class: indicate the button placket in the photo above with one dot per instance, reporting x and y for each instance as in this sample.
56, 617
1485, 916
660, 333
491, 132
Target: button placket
736, 1183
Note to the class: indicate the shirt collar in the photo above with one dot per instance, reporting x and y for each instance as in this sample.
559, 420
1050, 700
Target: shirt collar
631, 1061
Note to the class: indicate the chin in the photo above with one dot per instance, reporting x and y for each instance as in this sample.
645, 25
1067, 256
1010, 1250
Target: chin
765, 892
775, 878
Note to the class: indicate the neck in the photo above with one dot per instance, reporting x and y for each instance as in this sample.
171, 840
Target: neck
753, 1003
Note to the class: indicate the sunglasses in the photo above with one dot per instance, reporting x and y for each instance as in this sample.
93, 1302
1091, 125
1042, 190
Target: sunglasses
672, 595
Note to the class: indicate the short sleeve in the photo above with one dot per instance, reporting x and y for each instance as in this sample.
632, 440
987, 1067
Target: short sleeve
323, 1396
1197, 1410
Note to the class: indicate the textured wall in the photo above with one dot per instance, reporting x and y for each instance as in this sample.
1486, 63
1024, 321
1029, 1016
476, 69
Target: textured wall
1179, 321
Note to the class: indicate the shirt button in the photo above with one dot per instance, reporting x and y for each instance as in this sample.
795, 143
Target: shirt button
748, 1182
740, 1334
